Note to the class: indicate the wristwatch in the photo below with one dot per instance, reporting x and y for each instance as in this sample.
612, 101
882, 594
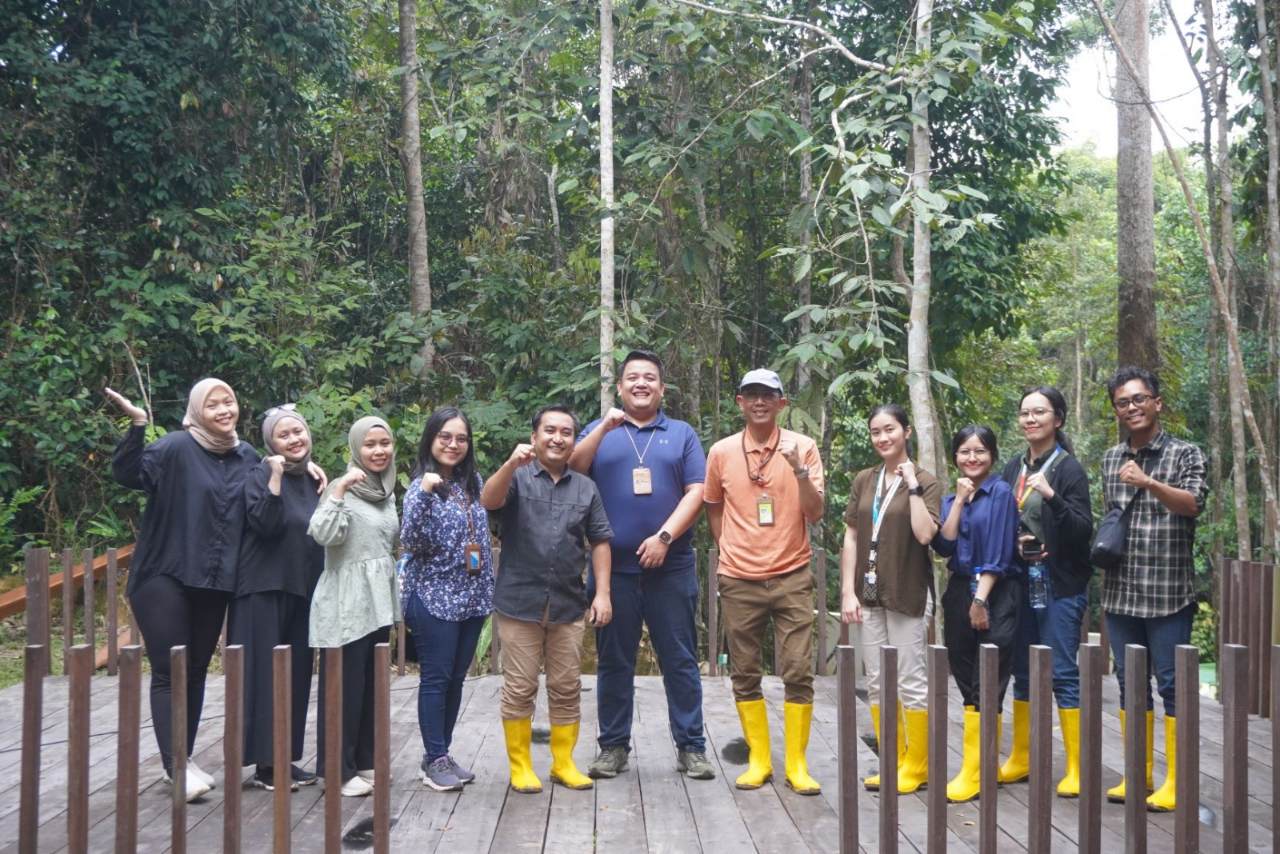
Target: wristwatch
916, 490
802, 472
980, 602
664, 537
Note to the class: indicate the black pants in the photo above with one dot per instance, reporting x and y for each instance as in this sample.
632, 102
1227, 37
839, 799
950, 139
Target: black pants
963, 640
171, 614
260, 621
357, 704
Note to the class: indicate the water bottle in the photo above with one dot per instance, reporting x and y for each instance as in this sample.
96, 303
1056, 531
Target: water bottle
1038, 584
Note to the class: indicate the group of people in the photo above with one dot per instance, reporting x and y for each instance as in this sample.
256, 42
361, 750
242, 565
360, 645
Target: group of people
596, 524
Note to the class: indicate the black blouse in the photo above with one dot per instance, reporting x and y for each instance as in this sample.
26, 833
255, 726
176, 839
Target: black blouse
1068, 524
276, 553
192, 526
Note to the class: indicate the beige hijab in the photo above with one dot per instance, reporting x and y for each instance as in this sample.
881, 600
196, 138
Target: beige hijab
194, 421
376, 486
274, 416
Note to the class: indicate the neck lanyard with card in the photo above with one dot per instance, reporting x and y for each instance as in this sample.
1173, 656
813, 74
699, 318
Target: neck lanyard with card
1024, 491
878, 508
764, 504
641, 477
471, 551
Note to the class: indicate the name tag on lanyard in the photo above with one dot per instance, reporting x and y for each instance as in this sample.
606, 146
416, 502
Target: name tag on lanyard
641, 481
472, 558
764, 511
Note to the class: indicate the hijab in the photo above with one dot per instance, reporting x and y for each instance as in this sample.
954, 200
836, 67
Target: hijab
274, 416
376, 486
194, 421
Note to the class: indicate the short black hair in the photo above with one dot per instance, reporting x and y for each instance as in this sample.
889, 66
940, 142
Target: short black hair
555, 407
1128, 373
985, 435
640, 356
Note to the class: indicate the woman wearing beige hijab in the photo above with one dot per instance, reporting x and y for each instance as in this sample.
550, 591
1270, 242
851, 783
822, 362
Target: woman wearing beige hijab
355, 602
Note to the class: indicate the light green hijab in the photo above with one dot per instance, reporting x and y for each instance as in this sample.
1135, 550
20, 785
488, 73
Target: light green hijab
376, 486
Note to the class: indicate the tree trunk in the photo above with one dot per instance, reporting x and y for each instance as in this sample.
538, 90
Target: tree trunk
1272, 127
919, 388
1136, 341
805, 297
606, 204
411, 159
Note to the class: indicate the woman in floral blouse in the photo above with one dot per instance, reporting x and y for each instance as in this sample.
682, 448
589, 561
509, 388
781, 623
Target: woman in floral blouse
447, 585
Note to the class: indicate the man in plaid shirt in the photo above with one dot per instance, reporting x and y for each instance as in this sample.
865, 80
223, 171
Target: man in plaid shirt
1150, 599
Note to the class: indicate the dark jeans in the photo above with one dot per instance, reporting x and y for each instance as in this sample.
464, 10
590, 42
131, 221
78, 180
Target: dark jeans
666, 601
1057, 627
357, 705
445, 649
258, 622
171, 614
963, 641
1160, 635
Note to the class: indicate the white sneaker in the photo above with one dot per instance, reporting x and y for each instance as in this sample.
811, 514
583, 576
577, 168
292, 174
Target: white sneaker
195, 786
201, 774
366, 775
357, 787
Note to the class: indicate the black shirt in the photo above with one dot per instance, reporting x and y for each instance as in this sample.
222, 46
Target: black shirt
1067, 519
276, 552
194, 518
545, 527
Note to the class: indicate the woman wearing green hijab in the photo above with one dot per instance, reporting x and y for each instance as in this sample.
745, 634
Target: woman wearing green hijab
355, 601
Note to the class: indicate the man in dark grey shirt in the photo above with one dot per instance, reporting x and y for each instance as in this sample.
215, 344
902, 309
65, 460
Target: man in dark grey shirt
547, 516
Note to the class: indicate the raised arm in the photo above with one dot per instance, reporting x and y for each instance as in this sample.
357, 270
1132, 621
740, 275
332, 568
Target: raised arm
494, 494
585, 451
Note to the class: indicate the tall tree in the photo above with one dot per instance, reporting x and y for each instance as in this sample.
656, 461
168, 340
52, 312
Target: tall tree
606, 205
1136, 341
1265, 70
411, 160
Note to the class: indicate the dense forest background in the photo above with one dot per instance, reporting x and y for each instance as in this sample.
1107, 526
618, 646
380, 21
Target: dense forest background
217, 187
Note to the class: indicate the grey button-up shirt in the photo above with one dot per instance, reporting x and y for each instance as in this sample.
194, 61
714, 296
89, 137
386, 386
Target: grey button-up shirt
545, 528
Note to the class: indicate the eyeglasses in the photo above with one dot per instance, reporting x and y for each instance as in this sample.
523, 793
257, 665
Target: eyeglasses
973, 453
1034, 413
459, 439
1137, 400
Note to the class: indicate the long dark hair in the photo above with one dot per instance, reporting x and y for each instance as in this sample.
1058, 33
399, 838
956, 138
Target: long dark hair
985, 435
897, 413
465, 471
1059, 404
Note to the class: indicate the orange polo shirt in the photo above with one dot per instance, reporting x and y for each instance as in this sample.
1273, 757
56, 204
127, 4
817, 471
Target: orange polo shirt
748, 549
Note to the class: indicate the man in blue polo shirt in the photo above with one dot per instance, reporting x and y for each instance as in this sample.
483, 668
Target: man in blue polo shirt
649, 470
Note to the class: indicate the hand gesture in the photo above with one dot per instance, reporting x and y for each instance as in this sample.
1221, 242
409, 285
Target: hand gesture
275, 462
318, 475
1132, 474
850, 608
136, 413
790, 451
1040, 484
521, 456
964, 490
652, 552
430, 481
349, 479
907, 471
601, 610
614, 418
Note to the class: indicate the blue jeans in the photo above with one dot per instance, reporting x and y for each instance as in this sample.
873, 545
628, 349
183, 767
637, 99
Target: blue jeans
1057, 627
445, 650
1160, 635
665, 600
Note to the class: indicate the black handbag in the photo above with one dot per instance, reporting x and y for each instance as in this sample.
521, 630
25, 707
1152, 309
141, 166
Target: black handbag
1109, 538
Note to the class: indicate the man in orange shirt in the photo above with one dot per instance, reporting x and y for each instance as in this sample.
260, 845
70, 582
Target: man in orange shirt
764, 485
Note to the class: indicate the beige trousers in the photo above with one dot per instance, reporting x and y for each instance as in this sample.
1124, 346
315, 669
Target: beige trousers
528, 647
881, 627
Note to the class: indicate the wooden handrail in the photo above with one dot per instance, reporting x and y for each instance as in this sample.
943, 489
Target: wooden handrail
15, 601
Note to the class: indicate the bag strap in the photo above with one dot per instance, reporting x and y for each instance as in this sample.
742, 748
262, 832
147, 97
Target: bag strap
1128, 507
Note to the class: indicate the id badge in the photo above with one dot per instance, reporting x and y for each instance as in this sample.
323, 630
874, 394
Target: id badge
871, 579
764, 511
471, 558
641, 481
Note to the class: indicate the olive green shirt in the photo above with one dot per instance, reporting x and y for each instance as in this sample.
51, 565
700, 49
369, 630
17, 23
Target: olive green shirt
903, 566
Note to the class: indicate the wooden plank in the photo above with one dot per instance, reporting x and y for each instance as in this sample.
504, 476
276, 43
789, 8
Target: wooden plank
1235, 777
36, 569
78, 750
178, 746
713, 612
1263, 646
332, 724
1135, 749
1186, 827
68, 611
382, 748
988, 746
113, 614
281, 736
34, 665
847, 749
939, 676
128, 717
232, 746
1040, 803
22, 599
888, 749
90, 600
1089, 834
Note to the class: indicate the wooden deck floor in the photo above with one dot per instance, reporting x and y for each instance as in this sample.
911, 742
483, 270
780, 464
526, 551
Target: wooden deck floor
649, 808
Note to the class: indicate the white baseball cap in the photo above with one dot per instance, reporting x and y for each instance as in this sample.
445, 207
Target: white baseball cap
761, 376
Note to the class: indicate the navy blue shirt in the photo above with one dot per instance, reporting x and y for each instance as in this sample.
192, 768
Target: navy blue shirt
988, 531
675, 460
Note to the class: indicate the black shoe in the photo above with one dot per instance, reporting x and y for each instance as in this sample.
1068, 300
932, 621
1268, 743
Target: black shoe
302, 778
265, 778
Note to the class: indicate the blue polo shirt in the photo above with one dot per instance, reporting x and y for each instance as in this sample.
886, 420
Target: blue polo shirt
673, 454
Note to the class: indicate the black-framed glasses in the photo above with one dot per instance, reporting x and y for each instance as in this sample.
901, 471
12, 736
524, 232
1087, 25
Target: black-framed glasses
1137, 400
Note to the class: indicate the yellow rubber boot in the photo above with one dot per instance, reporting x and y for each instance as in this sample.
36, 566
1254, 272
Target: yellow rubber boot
564, 738
1165, 798
964, 786
914, 773
798, 720
519, 735
1018, 766
1069, 785
872, 783
755, 729
1116, 793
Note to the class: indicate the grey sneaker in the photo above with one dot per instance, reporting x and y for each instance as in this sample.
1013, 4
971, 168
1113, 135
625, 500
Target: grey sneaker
439, 775
694, 765
610, 763
466, 775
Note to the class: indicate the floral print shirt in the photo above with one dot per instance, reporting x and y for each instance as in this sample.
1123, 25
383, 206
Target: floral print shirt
434, 535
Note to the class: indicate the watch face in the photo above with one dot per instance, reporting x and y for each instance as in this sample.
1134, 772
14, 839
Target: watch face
664, 537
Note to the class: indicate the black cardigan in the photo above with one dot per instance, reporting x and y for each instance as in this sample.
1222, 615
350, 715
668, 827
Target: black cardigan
1068, 524
276, 552
194, 518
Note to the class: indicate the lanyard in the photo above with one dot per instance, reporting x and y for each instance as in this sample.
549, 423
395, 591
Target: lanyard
765, 458
466, 510
1023, 490
640, 454
878, 508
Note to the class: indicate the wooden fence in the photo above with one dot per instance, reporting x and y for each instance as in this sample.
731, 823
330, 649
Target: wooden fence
1246, 618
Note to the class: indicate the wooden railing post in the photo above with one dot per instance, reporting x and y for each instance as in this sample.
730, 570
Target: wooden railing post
78, 750
113, 614
888, 749
1186, 821
34, 665
332, 724
129, 716
90, 633
713, 612
1135, 749
68, 610
820, 589
382, 749
36, 569
939, 673
232, 745
988, 745
282, 739
1040, 800
1235, 748
847, 739
1089, 834
178, 748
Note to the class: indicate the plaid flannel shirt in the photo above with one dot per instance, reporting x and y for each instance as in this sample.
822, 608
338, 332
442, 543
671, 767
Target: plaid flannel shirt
1156, 576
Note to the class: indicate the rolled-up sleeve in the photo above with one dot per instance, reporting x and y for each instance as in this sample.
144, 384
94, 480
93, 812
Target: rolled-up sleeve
1192, 475
598, 528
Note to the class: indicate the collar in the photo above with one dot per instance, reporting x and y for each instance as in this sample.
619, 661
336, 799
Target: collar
539, 470
1038, 462
753, 448
1155, 446
659, 423
987, 483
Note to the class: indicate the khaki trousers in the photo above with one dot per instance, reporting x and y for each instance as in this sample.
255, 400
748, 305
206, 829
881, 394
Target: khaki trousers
882, 627
747, 607
528, 647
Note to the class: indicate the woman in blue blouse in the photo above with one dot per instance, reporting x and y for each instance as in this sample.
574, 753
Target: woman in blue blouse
981, 603
447, 584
